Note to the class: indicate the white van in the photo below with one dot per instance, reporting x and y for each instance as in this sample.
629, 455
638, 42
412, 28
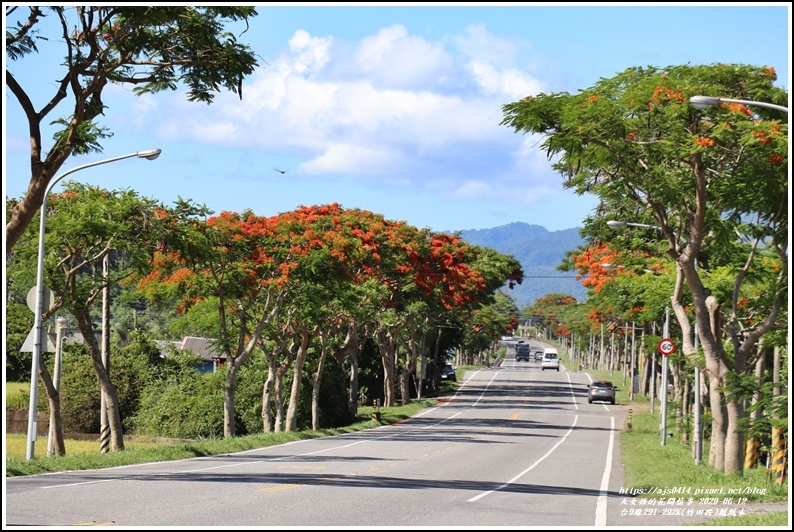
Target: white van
550, 359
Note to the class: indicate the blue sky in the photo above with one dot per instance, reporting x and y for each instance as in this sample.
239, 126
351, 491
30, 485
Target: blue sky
395, 108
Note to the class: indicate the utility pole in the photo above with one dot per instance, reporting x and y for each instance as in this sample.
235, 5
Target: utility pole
698, 410
665, 334
633, 361
104, 426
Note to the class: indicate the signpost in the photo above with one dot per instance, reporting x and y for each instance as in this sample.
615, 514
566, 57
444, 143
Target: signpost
666, 347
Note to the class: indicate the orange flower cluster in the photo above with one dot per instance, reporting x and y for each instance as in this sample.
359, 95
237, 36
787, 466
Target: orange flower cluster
592, 98
770, 73
739, 108
661, 94
762, 138
631, 135
774, 158
590, 263
704, 141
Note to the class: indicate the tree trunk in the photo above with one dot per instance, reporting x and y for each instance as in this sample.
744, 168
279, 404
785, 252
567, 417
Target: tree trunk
294, 396
734, 441
278, 398
267, 393
105, 385
718, 425
410, 367
54, 401
229, 389
388, 353
351, 349
316, 381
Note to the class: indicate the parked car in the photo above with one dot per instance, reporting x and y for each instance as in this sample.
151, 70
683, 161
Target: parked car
601, 391
448, 373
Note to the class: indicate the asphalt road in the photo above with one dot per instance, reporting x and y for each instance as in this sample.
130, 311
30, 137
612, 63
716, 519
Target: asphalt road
514, 447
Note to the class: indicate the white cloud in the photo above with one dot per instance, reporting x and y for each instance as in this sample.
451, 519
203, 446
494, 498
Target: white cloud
511, 83
394, 59
310, 53
484, 47
352, 160
377, 110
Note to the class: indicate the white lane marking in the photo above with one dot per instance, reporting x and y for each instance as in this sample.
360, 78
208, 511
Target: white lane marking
126, 477
460, 388
530, 468
601, 506
573, 397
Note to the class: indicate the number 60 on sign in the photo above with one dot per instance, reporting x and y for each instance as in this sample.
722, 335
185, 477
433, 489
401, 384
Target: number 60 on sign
666, 346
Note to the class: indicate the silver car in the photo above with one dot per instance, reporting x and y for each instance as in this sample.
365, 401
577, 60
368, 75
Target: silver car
601, 391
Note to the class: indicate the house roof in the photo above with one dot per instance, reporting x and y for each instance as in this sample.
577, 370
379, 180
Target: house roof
201, 346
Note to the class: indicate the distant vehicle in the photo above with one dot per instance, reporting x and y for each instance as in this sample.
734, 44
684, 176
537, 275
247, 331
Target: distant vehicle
448, 373
522, 353
521, 341
550, 359
538, 356
601, 391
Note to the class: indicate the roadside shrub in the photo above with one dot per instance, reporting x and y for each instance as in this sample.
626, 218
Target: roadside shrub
248, 399
131, 369
187, 404
80, 395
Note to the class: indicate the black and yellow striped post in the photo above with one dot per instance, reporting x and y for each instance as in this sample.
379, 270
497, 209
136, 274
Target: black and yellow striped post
779, 455
752, 448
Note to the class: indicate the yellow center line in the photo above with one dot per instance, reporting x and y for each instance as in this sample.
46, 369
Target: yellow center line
281, 487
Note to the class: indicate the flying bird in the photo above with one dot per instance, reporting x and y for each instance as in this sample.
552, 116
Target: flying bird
281, 171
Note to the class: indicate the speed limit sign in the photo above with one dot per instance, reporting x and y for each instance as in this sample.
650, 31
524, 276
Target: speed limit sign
666, 346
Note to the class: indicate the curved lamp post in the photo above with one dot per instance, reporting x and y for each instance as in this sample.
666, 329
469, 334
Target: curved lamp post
702, 102
614, 224
34, 366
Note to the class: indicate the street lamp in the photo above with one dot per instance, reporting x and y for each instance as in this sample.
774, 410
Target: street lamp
702, 102
614, 224
151, 155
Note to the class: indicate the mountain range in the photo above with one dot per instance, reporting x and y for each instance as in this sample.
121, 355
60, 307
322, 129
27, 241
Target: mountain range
540, 252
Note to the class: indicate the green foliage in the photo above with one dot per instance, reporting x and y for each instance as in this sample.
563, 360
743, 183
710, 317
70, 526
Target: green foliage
80, 396
18, 323
333, 395
132, 369
248, 397
151, 48
84, 138
187, 404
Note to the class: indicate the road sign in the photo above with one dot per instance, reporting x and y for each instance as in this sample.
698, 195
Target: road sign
666, 346
46, 302
48, 346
